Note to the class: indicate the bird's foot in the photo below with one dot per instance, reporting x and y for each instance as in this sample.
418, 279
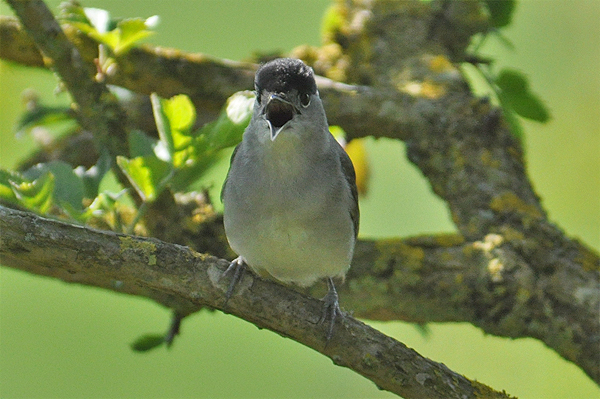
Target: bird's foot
237, 266
331, 308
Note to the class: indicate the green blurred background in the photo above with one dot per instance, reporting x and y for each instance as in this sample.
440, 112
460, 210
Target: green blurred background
61, 341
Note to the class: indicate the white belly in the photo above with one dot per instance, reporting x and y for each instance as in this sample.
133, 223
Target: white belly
296, 252
310, 239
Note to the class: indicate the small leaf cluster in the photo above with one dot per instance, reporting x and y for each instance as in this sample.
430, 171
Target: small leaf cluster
178, 158
516, 98
510, 87
175, 160
56, 188
119, 35
116, 36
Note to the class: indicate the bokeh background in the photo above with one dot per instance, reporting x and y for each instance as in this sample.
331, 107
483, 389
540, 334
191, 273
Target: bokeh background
66, 341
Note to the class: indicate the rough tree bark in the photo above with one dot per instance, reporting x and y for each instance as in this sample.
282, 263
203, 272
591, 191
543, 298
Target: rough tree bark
185, 281
509, 271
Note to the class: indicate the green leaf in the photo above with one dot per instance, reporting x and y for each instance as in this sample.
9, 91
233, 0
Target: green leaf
47, 117
120, 40
147, 174
140, 144
229, 127
181, 114
163, 126
338, 133
515, 93
89, 30
92, 177
215, 136
101, 205
531, 107
148, 342
191, 154
68, 187
35, 195
129, 33
512, 81
174, 119
180, 111
7, 179
104, 202
501, 12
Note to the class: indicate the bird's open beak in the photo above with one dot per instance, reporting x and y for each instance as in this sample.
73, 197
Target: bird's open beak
278, 112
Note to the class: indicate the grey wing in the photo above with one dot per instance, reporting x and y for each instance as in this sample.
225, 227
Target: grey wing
350, 176
230, 163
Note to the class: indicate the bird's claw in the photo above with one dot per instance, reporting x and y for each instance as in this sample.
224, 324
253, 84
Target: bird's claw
331, 308
238, 265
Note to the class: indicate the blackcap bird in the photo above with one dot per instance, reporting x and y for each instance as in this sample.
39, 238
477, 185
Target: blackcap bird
290, 200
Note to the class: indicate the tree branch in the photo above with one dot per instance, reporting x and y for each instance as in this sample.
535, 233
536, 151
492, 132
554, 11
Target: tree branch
489, 283
184, 280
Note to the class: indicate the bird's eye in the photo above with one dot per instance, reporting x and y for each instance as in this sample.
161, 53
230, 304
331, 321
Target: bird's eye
304, 99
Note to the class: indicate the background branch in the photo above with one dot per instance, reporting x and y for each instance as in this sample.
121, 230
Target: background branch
489, 283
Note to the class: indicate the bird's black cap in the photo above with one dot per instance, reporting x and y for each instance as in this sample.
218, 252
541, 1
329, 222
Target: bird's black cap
284, 74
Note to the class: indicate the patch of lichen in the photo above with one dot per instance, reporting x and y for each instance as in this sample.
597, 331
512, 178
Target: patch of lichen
458, 157
382, 42
369, 298
509, 202
438, 240
328, 60
334, 22
345, 48
509, 234
146, 248
430, 76
440, 64
488, 160
470, 250
403, 262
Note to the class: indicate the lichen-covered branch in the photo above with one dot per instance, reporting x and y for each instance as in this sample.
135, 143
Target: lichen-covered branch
185, 280
489, 283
